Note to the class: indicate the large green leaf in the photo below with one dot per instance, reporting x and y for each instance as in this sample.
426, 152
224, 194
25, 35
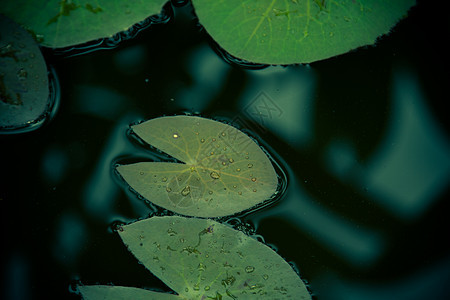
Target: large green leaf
62, 23
24, 84
297, 31
223, 171
203, 259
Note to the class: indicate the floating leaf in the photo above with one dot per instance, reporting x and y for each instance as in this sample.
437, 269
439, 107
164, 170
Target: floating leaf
24, 84
62, 23
223, 172
203, 259
107, 292
297, 31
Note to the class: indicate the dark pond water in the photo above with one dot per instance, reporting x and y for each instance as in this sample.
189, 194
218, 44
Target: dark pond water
363, 139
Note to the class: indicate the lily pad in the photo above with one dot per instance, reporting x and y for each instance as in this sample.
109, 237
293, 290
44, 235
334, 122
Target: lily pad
24, 84
297, 31
223, 171
203, 259
63, 23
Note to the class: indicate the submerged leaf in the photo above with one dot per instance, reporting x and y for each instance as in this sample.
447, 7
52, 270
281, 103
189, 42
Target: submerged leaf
297, 31
223, 172
107, 292
63, 23
24, 84
201, 258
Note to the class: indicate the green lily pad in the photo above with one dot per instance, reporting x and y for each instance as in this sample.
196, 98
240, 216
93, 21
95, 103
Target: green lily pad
24, 84
297, 31
203, 259
63, 23
223, 171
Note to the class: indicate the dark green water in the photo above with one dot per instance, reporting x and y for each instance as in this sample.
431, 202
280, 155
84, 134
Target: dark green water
363, 139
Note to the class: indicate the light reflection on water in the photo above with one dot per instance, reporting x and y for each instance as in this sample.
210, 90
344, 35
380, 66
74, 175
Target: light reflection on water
280, 99
412, 165
431, 281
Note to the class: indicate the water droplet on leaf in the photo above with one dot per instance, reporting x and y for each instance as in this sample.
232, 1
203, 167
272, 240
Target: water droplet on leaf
22, 74
214, 175
201, 267
249, 269
186, 191
171, 232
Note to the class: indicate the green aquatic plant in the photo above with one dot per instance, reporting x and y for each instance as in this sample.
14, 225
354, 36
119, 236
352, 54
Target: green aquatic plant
24, 84
263, 31
203, 259
223, 171
63, 23
297, 31
220, 170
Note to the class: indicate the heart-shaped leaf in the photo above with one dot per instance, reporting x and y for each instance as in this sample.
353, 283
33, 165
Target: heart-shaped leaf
223, 171
63, 23
203, 259
297, 31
